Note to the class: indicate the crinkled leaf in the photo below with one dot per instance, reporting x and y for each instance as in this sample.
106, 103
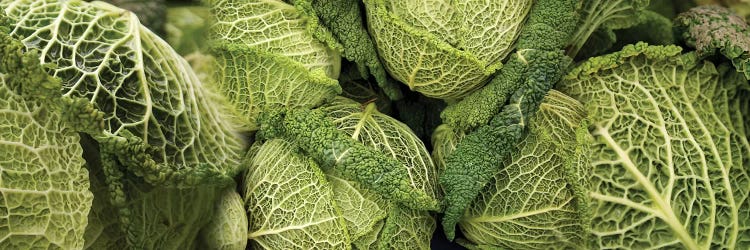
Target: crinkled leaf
536, 200
275, 27
444, 49
669, 160
289, 202
228, 227
407, 229
166, 124
362, 209
254, 80
43, 185
369, 241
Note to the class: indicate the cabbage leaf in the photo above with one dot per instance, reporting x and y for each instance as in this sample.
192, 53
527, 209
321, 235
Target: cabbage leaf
538, 198
44, 187
669, 152
289, 201
444, 49
164, 125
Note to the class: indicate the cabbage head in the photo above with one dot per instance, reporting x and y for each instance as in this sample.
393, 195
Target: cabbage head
290, 199
445, 49
267, 53
159, 120
159, 151
669, 153
389, 225
537, 200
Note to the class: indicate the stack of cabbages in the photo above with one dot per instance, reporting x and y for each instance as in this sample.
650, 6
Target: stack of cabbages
347, 124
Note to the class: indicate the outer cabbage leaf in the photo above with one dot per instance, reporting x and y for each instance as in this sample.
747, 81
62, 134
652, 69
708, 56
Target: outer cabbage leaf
361, 208
444, 49
669, 153
43, 182
407, 229
228, 227
369, 240
166, 126
537, 200
289, 202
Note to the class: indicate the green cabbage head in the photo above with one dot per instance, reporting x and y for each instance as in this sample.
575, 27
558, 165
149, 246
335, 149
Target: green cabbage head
271, 54
445, 49
293, 202
669, 153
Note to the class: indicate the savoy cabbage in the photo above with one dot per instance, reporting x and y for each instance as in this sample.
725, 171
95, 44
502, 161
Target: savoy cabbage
44, 185
163, 150
281, 124
669, 151
440, 50
538, 199
350, 212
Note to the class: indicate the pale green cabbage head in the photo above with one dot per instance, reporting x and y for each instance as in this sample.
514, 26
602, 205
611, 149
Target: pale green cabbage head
148, 94
373, 222
445, 49
267, 53
290, 202
164, 150
537, 200
669, 150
